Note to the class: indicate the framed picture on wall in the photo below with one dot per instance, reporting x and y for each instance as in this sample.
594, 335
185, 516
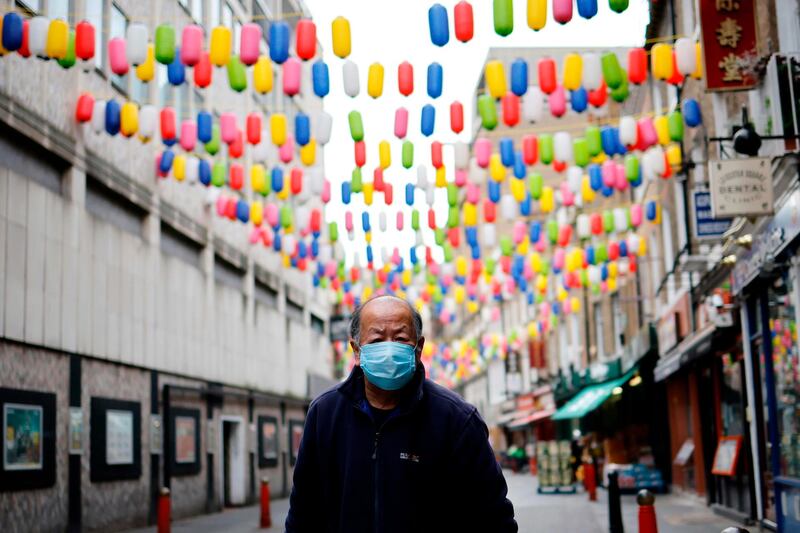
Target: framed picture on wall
295, 436
115, 436
726, 456
267, 441
29, 431
183, 441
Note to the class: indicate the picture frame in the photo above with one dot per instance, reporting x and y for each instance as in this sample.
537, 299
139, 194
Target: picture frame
182, 443
115, 437
727, 455
295, 438
29, 433
75, 431
268, 441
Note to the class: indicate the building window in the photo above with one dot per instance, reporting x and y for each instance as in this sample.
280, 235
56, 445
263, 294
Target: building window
599, 339
118, 24
227, 274
227, 16
32, 6
294, 311
113, 208
197, 11
266, 295
669, 251
317, 324
261, 17
213, 13
59, 9
176, 244
95, 15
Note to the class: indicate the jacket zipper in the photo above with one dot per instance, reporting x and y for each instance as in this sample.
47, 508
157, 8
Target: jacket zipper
375, 473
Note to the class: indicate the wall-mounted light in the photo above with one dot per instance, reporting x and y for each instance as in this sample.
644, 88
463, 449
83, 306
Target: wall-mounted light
616, 391
637, 380
745, 241
728, 260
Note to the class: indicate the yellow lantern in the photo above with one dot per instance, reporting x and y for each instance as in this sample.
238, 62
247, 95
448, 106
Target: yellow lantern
587, 193
283, 194
286, 260
340, 32
461, 266
406, 277
277, 126
472, 307
262, 75
536, 262
518, 189
522, 248
562, 295
375, 80
459, 294
367, 293
612, 284
643, 242
537, 14
57, 39
661, 61
613, 270
547, 201
496, 79
129, 119
662, 129
147, 70
368, 237
179, 167
470, 214
258, 179
308, 153
368, 189
441, 177
674, 155
384, 154
698, 71
256, 212
573, 71
220, 46
575, 304
496, 169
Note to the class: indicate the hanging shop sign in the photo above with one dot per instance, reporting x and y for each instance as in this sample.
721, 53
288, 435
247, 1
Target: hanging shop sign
777, 234
741, 187
729, 44
705, 225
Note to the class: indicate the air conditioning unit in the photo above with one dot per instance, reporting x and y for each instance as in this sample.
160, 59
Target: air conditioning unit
778, 101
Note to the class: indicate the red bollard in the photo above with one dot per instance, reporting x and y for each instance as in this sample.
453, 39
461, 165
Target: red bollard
163, 511
590, 480
532, 465
266, 517
647, 512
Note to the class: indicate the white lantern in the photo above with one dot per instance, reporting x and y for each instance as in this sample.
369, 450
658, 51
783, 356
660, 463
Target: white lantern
37, 36
356, 259
685, 55
384, 255
148, 119
562, 146
633, 243
136, 43
592, 71
350, 76
261, 150
533, 104
382, 221
422, 177
574, 178
476, 175
658, 161
508, 207
583, 226
461, 155
430, 194
192, 169
562, 216
594, 275
99, 116
418, 240
627, 131
325, 253
303, 217
489, 235
622, 266
322, 127
620, 219
316, 181
212, 193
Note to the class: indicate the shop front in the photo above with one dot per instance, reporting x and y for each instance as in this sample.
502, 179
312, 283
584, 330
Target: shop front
766, 280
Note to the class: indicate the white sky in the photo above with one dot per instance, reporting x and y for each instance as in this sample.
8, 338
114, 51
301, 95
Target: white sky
392, 31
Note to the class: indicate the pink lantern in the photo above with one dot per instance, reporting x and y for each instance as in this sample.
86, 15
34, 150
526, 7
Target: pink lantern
483, 152
567, 196
558, 101
636, 215
117, 58
191, 45
286, 151
188, 135
249, 43
461, 177
292, 71
399, 221
348, 221
609, 173
326, 191
400, 122
228, 128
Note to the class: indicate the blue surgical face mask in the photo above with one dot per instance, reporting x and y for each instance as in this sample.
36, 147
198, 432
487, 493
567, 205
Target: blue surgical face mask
388, 365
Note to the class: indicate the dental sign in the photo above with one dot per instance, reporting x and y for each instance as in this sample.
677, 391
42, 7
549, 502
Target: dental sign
741, 187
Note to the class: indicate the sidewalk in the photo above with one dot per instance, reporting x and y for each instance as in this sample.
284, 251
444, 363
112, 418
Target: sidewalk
536, 513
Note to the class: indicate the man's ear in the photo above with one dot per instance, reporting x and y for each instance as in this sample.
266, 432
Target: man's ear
356, 351
420, 344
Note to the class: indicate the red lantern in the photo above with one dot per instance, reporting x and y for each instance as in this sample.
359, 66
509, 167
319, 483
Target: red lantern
428, 255
388, 193
530, 149
230, 208
677, 77
436, 154
431, 219
83, 111
306, 43
456, 116
236, 148
360, 153
405, 78
377, 179
510, 106
632, 261
489, 210
84, 39
613, 251
168, 127
637, 65
254, 128
547, 75
316, 220
202, 71
236, 177
596, 223
564, 235
454, 236
297, 181
599, 96
559, 166
464, 21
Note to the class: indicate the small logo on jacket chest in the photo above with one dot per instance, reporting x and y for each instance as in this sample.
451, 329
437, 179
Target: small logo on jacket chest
405, 456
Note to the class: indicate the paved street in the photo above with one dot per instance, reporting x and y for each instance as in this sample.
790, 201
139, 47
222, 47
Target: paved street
535, 513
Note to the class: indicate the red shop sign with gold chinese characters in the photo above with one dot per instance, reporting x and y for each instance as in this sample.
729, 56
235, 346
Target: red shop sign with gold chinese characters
729, 43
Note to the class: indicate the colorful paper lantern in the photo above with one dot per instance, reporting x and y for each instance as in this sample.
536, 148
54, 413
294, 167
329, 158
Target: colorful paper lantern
547, 75
375, 80
292, 74
279, 42
503, 17
84, 40
562, 11
350, 78
661, 61
463, 21
136, 43
438, 25
435, 77
340, 34
537, 14
306, 39
191, 44
263, 76
176, 71
320, 79
487, 111
220, 46
165, 44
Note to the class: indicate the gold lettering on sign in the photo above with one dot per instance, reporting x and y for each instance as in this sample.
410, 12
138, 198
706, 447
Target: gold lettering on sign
727, 5
730, 64
729, 33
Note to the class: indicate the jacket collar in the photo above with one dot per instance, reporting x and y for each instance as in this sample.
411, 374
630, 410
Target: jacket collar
353, 389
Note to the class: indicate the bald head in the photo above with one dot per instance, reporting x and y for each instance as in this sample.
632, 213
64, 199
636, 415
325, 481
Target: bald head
378, 315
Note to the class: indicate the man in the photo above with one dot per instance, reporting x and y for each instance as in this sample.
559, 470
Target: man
389, 450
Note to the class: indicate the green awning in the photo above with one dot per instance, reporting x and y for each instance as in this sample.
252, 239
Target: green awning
591, 398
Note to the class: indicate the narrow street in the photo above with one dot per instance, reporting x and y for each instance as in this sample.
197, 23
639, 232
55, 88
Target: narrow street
535, 513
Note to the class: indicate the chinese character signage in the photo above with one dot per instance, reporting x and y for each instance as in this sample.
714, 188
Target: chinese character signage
741, 187
729, 43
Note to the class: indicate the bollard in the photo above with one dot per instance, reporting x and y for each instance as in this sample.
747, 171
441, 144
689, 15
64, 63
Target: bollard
163, 511
614, 504
734, 529
532, 465
266, 517
590, 481
647, 512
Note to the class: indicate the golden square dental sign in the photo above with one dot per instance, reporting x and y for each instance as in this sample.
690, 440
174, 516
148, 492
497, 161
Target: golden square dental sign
741, 187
